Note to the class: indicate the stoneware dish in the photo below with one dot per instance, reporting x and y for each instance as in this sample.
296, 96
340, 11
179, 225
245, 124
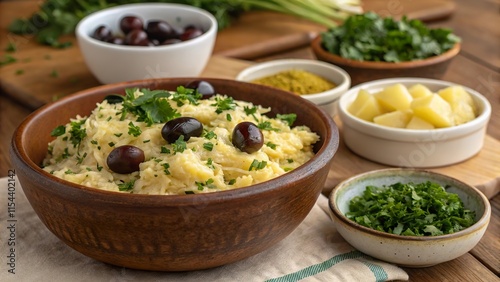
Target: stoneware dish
111, 63
408, 251
326, 100
171, 233
410, 147
363, 71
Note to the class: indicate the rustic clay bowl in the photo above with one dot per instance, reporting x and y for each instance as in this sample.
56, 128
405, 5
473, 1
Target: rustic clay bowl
409, 251
172, 233
363, 71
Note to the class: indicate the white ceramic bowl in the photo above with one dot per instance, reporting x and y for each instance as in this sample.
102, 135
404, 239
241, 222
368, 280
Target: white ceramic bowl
413, 148
326, 100
410, 251
112, 63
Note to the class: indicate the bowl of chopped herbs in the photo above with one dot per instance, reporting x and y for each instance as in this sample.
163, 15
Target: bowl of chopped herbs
369, 46
410, 217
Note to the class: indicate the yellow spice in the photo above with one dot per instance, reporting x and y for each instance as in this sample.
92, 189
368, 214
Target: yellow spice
297, 81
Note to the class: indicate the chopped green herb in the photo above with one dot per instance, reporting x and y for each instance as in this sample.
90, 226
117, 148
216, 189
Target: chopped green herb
224, 104
118, 134
251, 111
149, 107
126, 186
423, 209
209, 146
81, 158
166, 166
210, 134
58, 131
146, 141
228, 117
134, 130
208, 184
111, 144
77, 132
69, 172
93, 142
210, 163
180, 145
188, 192
288, 118
271, 145
164, 150
370, 37
289, 161
99, 168
183, 95
266, 125
256, 165
231, 182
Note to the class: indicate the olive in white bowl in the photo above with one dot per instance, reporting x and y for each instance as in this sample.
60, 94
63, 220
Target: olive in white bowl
112, 63
406, 147
403, 250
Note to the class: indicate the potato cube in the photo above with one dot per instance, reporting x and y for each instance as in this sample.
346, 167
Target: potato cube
434, 110
397, 119
394, 97
419, 90
365, 106
418, 123
461, 102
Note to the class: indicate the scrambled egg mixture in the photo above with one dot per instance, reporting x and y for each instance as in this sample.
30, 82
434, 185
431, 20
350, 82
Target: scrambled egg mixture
205, 164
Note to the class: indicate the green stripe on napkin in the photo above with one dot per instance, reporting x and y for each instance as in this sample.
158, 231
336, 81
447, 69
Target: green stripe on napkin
312, 270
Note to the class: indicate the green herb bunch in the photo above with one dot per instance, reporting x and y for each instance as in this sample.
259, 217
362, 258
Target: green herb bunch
370, 37
411, 209
59, 17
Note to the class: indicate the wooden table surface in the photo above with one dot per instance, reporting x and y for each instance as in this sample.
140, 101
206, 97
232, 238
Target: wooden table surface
477, 66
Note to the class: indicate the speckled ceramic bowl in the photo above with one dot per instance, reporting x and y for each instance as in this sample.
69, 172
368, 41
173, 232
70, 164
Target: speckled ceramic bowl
409, 251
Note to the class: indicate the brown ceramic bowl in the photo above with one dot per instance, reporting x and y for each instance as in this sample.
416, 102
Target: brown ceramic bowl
172, 233
363, 71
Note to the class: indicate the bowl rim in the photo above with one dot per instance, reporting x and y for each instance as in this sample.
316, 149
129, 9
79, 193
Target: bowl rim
297, 63
334, 210
402, 134
320, 159
81, 33
322, 53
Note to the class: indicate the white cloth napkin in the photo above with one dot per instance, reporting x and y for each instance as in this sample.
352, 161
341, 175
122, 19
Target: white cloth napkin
315, 251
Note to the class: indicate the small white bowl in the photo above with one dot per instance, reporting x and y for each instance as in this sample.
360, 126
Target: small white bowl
326, 100
413, 148
409, 251
111, 63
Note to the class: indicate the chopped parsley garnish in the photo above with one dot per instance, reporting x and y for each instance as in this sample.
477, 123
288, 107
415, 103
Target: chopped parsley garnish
209, 146
266, 125
251, 111
58, 131
164, 150
228, 117
180, 145
423, 209
370, 37
210, 134
256, 165
210, 163
126, 186
77, 132
111, 144
166, 166
149, 107
288, 118
186, 94
134, 130
208, 183
224, 104
118, 134
271, 145
231, 182
81, 158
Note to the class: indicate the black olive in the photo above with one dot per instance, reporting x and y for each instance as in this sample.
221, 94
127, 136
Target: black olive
190, 33
247, 137
116, 40
160, 30
102, 33
129, 23
184, 126
203, 87
114, 99
137, 37
125, 159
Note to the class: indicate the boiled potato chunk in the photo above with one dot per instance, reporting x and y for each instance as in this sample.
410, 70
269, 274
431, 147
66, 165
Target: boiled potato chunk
461, 102
419, 90
434, 110
365, 106
398, 119
394, 98
418, 123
